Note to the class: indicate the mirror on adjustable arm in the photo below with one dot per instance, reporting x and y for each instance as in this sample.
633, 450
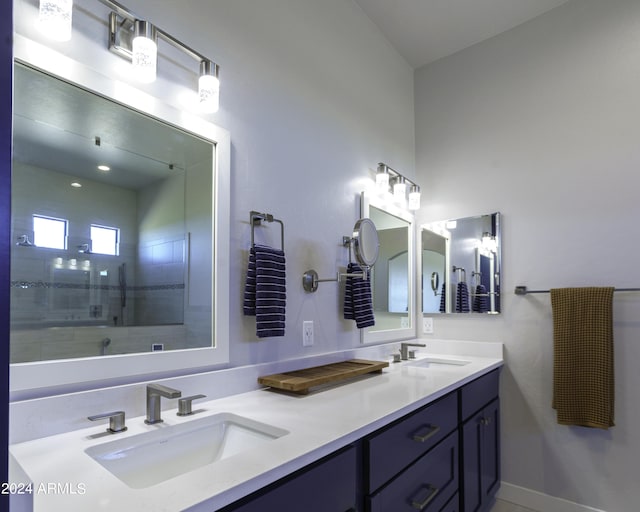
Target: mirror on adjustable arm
114, 271
461, 264
365, 246
393, 276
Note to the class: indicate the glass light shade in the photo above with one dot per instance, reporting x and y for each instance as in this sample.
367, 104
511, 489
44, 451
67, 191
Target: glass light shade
144, 52
54, 19
414, 198
209, 93
382, 179
400, 190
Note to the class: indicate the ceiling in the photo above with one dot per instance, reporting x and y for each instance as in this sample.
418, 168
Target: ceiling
56, 125
423, 31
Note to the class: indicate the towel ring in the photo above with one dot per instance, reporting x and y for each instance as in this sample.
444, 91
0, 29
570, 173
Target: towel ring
256, 218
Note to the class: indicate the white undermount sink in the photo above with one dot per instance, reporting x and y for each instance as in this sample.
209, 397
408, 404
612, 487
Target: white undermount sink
152, 457
437, 362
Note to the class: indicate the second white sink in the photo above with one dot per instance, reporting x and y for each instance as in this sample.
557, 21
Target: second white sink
150, 458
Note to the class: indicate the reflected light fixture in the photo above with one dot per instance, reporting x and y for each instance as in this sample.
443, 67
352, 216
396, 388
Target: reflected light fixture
209, 87
144, 51
54, 19
104, 168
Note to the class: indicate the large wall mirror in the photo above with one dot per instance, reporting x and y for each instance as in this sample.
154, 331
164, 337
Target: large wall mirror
392, 276
461, 264
120, 232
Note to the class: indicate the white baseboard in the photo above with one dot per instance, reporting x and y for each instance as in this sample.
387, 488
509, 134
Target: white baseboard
539, 501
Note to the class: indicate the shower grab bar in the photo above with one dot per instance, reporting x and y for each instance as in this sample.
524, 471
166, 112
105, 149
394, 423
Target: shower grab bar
256, 218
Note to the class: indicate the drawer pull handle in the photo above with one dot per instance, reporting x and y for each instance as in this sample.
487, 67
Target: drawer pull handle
422, 504
432, 430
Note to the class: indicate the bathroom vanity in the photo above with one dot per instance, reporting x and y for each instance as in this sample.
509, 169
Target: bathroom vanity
423, 435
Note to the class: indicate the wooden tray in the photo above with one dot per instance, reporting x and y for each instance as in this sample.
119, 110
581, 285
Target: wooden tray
300, 381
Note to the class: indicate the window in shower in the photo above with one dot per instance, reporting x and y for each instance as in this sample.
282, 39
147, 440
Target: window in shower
49, 232
104, 240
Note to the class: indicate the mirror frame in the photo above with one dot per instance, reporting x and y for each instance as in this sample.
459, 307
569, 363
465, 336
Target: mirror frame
45, 378
367, 336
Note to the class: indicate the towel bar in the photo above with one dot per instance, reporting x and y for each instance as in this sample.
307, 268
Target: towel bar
522, 290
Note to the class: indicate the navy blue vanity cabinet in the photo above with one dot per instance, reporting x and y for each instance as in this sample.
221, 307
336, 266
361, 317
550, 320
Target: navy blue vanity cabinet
413, 463
329, 485
453, 505
480, 409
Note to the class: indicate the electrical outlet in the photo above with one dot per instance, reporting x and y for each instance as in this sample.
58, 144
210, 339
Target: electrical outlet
307, 333
427, 325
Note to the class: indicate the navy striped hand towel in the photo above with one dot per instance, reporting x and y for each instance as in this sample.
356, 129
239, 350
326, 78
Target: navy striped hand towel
462, 298
265, 290
481, 300
443, 298
358, 304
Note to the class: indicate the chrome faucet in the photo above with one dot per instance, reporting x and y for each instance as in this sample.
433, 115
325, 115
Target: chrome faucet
154, 392
404, 349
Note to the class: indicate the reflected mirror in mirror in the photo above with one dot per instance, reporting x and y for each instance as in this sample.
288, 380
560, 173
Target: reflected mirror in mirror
112, 216
461, 263
391, 276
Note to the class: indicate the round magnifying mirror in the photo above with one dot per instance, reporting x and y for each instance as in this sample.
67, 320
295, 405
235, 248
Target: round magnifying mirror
365, 242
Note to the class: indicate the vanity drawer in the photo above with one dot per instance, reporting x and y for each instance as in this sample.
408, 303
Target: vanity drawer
475, 395
389, 451
427, 485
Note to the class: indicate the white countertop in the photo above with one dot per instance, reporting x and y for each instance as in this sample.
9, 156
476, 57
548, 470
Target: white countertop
318, 424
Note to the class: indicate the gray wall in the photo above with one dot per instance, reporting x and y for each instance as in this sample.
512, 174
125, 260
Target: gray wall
541, 124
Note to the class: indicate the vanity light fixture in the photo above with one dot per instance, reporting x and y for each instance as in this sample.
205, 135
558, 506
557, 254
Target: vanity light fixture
54, 19
136, 40
400, 190
144, 51
414, 197
123, 25
382, 179
209, 86
383, 175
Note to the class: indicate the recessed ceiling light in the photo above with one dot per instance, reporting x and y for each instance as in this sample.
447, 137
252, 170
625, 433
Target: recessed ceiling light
75, 184
104, 168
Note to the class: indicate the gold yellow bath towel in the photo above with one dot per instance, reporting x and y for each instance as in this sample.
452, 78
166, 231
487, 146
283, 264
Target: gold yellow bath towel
583, 374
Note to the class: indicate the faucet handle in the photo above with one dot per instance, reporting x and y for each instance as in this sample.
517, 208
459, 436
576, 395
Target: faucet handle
116, 420
184, 404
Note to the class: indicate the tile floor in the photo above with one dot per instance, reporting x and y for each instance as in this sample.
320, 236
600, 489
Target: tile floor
505, 506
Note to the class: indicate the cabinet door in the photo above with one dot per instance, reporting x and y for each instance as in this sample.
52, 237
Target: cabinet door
453, 505
329, 486
481, 456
